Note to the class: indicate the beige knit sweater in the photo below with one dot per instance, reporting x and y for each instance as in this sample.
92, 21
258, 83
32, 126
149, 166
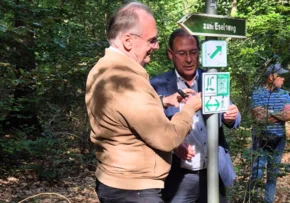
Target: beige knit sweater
134, 138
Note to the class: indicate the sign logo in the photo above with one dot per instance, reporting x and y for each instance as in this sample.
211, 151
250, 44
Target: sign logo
216, 92
214, 53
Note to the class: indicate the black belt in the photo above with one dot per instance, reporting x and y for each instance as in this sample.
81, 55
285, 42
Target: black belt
184, 170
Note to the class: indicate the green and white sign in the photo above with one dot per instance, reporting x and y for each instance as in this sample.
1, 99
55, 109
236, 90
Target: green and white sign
214, 25
214, 53
215, 92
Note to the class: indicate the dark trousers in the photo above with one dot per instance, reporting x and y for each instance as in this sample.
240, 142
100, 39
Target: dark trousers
108, 194
184, 186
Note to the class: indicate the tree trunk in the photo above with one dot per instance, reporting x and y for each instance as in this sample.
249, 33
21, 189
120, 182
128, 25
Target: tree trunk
23, 116
234, 8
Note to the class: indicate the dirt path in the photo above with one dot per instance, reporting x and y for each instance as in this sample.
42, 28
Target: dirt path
81, 188
283, 184
75, 189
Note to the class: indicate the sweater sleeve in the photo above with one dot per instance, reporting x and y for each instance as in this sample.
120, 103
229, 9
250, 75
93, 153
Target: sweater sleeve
144, 115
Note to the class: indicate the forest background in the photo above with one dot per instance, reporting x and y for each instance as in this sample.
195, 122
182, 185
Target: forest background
47, 48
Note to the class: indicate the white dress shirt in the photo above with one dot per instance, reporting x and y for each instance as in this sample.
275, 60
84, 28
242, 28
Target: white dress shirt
197, 138
115, 49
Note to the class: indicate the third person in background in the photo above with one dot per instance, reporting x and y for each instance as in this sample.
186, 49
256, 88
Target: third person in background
270, 109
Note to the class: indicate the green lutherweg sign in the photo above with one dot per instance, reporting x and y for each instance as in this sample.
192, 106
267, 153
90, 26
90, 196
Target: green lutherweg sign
214, 25
215, 92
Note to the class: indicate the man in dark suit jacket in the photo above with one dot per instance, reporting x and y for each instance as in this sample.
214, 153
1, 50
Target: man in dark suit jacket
187, 180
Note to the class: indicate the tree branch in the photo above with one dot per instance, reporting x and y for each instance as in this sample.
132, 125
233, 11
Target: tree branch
45, 194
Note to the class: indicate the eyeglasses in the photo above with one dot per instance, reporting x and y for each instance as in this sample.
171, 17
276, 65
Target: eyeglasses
192, 52
152, 42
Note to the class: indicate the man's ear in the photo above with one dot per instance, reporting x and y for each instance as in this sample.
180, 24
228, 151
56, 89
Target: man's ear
272, 77
127, 41
169, 54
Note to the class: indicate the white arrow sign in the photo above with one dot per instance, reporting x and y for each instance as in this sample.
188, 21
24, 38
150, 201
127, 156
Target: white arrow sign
214, 53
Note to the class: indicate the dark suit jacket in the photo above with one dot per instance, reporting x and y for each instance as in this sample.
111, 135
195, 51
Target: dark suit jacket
166, 84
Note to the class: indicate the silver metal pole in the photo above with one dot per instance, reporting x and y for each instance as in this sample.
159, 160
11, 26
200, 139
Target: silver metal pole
212, 134
212, 168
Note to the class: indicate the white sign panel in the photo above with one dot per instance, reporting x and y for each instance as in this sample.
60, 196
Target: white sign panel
214, 53
215, 92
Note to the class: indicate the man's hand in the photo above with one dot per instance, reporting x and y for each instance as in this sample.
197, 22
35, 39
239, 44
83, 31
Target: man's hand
175, 99
272, 119
261, 115
184, 151
283, 115
231, 114
194, 101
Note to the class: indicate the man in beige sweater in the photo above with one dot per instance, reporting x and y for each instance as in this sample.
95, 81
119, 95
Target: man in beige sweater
134, 138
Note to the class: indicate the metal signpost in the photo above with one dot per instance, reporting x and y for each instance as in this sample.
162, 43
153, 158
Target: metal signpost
216, 92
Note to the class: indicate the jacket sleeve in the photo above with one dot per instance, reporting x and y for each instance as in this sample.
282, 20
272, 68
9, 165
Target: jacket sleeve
142, 112
159, 85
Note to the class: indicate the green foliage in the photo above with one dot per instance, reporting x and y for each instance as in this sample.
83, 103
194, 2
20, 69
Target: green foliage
266, 43
67, 44
48, 156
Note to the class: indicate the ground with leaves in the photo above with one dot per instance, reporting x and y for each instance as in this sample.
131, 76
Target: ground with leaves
81, 188
283, 184
70, 189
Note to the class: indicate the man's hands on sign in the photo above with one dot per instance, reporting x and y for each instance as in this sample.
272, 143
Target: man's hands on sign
194, 100
231, 114
175, 99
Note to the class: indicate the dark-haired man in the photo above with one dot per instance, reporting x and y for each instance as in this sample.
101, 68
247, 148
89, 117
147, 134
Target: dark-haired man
187, 180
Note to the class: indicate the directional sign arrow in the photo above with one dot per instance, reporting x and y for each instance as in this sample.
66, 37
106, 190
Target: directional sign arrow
208, 105
218, 49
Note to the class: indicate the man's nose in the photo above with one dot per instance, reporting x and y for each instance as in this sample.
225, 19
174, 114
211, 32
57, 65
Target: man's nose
188, 57
156, 46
